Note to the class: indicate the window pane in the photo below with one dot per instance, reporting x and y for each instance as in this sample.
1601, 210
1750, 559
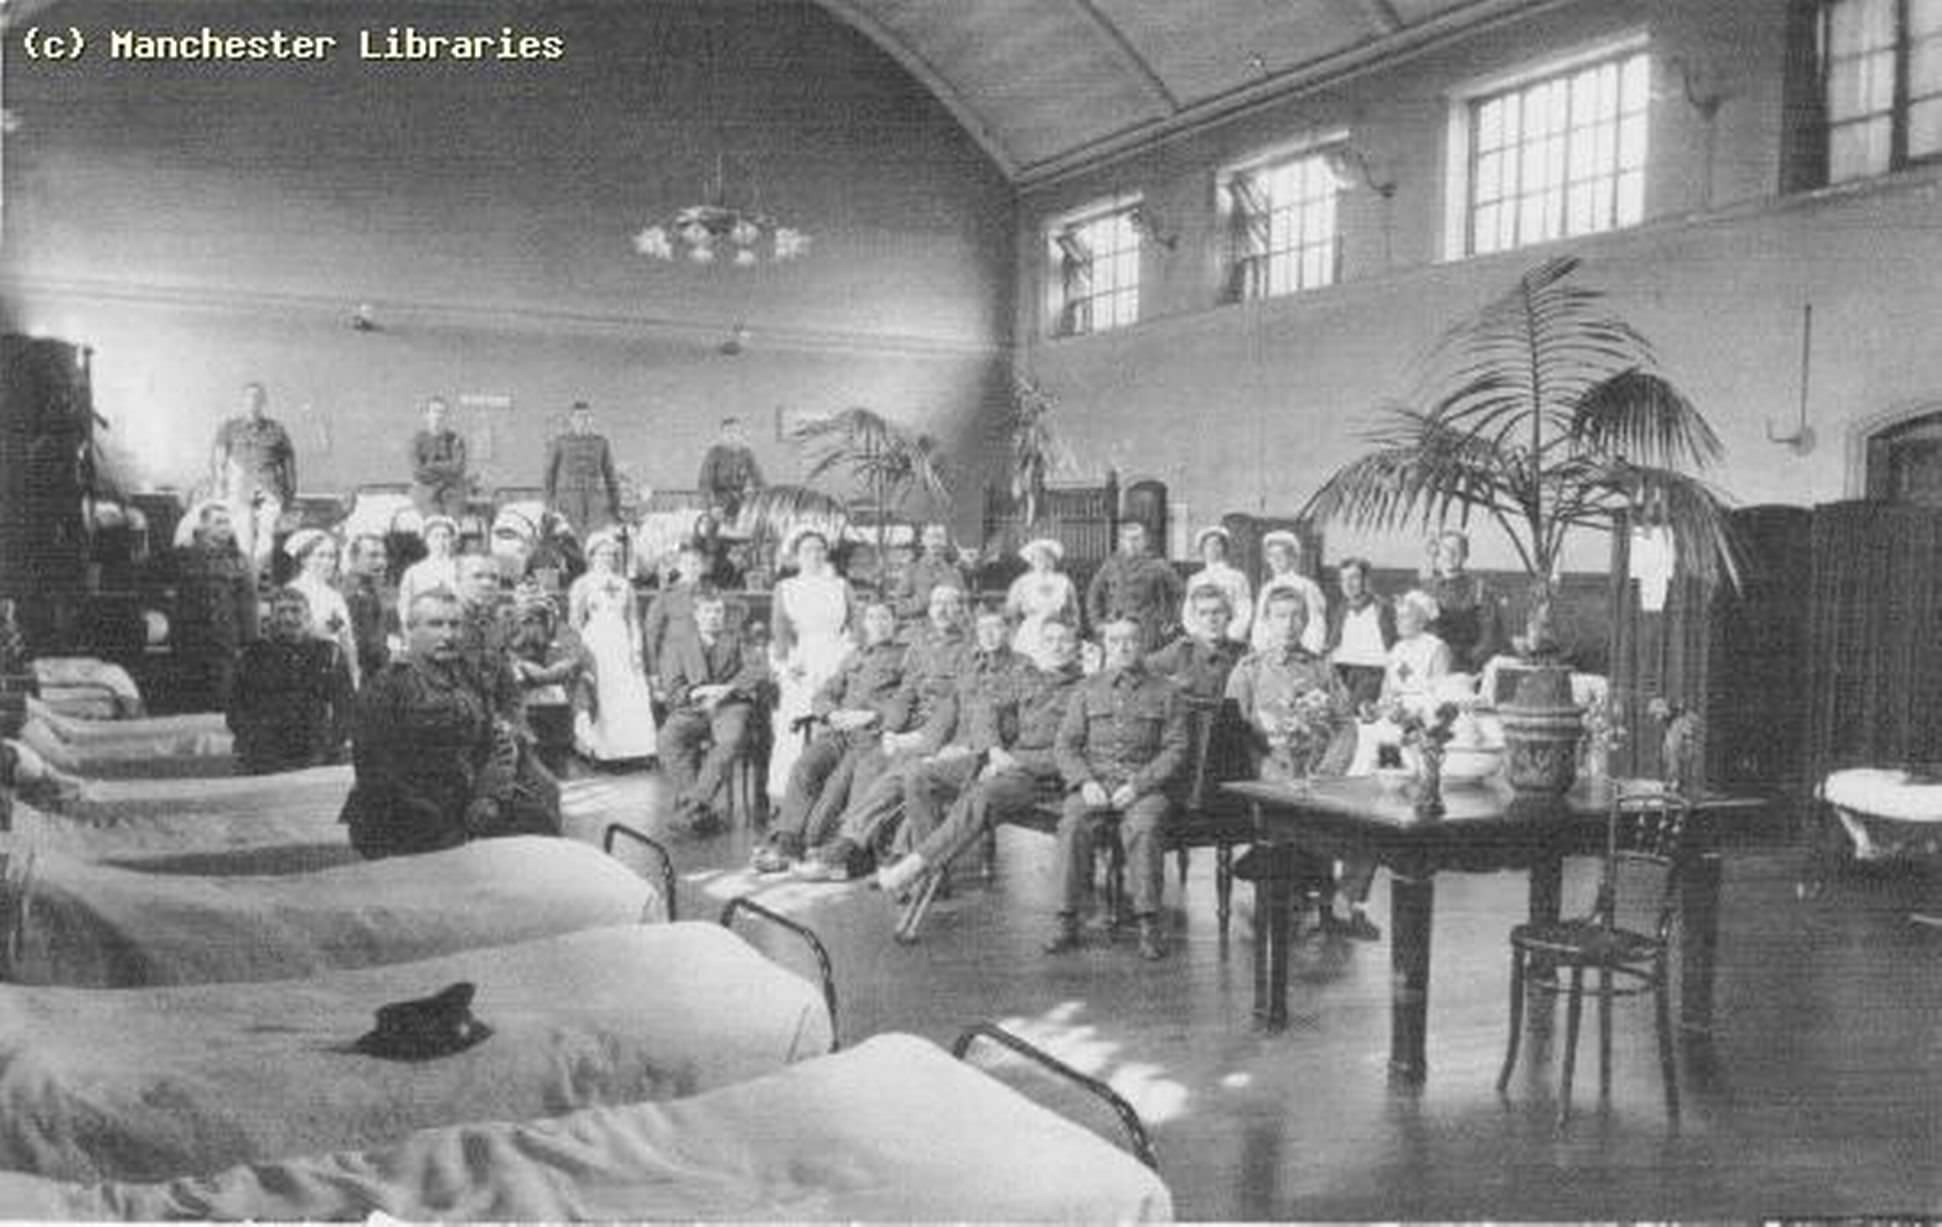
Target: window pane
1857, 149
1925, 67
1635, 86
1925, 128
1924, 17
1631, 198
1631, 142
1860, 25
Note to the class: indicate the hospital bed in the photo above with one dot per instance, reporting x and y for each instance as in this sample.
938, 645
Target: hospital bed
892, 1130
240, 824
1888, 813
192, 744
155, 1083
79, 923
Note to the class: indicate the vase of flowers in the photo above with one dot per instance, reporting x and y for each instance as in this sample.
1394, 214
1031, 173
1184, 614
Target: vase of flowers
1299, 735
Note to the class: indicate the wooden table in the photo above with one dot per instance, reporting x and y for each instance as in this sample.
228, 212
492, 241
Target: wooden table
1486, 829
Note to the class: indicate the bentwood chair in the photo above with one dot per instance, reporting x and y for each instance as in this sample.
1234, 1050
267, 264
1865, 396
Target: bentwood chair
1624, 943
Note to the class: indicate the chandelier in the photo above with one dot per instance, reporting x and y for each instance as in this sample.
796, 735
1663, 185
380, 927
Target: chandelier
721, 231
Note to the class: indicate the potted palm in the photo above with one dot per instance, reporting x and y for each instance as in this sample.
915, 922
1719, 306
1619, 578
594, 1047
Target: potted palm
1035, 452
885, 461
1542, 413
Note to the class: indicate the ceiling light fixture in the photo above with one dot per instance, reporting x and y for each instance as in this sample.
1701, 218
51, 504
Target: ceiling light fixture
719, 231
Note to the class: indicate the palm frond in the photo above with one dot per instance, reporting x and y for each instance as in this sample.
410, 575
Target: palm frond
1640, 415
880, 457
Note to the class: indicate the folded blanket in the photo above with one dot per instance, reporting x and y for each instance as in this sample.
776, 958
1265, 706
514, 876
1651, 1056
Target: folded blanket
242, 824
87, 671
94, 925
154, 1083
893, 1130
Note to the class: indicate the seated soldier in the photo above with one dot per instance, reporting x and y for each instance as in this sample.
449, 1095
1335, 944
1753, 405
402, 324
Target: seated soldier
851, 709
1299, 715
1123, 740
943, 756
711, 682
932, 660
1012, 779
290, 707
1199, 661
435, 765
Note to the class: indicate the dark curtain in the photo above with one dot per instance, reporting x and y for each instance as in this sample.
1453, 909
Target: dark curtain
1874, 662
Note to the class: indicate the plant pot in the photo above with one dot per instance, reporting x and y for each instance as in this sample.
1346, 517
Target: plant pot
1541, 731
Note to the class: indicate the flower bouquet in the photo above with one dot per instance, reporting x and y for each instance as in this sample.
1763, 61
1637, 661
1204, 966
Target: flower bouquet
1300, 733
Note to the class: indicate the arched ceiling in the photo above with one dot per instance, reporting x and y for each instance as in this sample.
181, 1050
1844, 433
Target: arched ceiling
1049, 85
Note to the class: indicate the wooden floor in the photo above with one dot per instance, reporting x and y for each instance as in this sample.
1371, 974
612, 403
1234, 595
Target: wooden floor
1820, 1093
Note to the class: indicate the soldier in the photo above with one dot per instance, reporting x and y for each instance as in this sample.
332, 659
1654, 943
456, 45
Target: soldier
850, 709
1012, 779
439, 485
933, 567
1134, 584
435, 767
1199, 661
215, 607
254, 469
291, 707
581, 485
1123, 740
729, 473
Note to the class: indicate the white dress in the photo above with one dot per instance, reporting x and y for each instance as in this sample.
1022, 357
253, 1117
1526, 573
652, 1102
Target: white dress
1032, 599
811, 616
622, 725
330, 617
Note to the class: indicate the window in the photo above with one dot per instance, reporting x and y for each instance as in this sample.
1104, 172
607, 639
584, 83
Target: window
1557, 155
1095, 269
1281, 230
1881, 82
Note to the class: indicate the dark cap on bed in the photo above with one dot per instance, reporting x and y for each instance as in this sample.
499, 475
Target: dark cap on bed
427, 1027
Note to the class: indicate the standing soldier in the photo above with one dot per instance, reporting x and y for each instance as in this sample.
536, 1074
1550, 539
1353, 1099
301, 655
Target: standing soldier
580, 482
215, 607
254, 469
1134, 584
439, 485
729, 473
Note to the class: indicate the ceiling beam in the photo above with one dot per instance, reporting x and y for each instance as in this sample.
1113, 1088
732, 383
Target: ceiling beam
858, 16
1128, 55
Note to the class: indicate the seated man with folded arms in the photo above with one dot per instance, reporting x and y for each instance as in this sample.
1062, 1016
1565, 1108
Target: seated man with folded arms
933, 656
937, 761
1297, 710
1199, 661
291, 704
1013, 778
852, 709
710, 681
436, 766
1123, 740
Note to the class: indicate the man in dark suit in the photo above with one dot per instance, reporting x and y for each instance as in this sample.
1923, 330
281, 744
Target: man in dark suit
581, 485
729, 473
711, 681
1134, 584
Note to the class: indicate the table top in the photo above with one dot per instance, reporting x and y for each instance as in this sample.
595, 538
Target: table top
1483, 825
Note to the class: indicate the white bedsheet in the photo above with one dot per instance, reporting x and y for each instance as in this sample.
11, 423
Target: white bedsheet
241, 824
87, 924
154, 1083
892, 1130
194, 744
1885, 813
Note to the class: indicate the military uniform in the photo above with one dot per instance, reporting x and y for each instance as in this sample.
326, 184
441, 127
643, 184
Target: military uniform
215, 615
374, 620
1470, 620
1267, 687
1122, 727
1198, 667
868, 680
980, 715
435, 767
439, 485
256, 474
1145, 589
912, 597
1032, 778
581, 484
729, 474
291, 707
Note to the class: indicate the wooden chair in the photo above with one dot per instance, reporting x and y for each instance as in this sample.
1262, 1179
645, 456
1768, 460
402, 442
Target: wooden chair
1624, 941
